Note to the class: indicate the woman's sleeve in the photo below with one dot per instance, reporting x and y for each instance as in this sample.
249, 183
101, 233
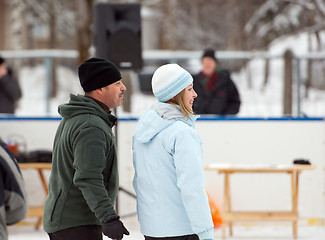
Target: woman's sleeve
191, 182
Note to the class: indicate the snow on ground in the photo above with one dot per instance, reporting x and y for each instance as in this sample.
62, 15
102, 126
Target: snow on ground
247, 231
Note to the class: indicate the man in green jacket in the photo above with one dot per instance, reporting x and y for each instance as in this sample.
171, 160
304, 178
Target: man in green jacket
84, 182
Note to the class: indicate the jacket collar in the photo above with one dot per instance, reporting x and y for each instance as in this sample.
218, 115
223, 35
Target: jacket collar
111, 118
101, 104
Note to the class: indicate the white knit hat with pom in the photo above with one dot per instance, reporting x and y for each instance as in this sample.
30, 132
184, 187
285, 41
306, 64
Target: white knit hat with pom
169, 80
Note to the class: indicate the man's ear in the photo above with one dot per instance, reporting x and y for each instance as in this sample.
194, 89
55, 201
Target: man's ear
99, 91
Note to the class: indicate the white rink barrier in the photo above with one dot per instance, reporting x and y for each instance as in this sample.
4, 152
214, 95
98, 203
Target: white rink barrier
225, 140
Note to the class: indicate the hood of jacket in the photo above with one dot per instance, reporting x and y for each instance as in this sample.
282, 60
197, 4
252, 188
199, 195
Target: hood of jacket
79, 104
159, 117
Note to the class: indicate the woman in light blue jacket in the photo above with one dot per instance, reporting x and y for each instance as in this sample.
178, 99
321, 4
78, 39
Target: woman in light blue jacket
167, 157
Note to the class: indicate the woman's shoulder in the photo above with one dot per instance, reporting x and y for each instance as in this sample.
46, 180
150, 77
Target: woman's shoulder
180, 128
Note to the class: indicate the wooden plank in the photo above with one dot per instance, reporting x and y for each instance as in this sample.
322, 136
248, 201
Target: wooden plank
35, 165
35, 211
250, 168
259, 216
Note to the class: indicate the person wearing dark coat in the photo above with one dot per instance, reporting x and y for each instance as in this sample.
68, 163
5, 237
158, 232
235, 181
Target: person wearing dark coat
10, 91
13, 197
217, 93
84, 180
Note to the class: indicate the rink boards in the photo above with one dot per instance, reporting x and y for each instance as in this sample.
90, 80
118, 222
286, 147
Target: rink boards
225, 140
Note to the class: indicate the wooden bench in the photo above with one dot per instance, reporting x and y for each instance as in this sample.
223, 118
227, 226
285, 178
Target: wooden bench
230, 216
37, 211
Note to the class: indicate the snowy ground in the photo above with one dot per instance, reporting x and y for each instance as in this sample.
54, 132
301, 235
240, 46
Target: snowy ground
258, 231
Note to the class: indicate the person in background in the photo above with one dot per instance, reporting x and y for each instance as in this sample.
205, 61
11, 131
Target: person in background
13, 197
10, 91
217, 93
84, 182
167, 156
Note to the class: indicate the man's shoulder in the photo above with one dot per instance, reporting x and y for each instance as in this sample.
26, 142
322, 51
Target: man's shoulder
95, 120
87, 120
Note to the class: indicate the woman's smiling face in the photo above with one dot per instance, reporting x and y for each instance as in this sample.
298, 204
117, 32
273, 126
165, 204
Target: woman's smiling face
189, 96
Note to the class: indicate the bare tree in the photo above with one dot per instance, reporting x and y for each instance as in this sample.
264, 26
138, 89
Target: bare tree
84, 21
16, 32
197, 24
285, 17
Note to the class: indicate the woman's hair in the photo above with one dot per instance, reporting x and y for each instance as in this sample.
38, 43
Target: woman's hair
179, 100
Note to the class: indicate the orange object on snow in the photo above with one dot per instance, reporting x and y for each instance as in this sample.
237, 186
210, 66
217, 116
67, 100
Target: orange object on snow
216, 215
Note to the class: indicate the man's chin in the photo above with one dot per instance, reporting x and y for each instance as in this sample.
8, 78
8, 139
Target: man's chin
120, 103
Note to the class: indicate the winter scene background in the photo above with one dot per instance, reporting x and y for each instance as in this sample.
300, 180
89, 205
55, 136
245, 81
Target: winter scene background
257, 100
286, 29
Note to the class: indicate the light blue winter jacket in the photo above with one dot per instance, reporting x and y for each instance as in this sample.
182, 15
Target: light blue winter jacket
169, 175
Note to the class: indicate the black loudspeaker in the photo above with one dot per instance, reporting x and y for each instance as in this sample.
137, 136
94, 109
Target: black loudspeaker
118, 34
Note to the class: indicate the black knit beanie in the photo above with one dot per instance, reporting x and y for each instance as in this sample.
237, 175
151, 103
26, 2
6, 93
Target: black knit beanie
96, 73
209, 53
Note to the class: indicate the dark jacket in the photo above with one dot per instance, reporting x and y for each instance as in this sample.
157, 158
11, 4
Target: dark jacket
13, 203
9, 93
221, 99
83, 183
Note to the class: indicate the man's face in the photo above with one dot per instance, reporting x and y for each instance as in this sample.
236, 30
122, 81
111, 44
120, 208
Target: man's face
113, 94
208, 66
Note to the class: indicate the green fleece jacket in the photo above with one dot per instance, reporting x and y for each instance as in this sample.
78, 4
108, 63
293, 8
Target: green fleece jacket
83, 184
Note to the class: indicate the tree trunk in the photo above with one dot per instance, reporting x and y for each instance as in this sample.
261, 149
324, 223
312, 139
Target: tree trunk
3, 9
84, 16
